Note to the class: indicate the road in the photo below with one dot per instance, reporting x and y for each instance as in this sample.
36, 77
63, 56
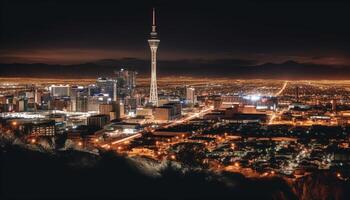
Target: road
282, 89
274, 115
139, 134
188, 118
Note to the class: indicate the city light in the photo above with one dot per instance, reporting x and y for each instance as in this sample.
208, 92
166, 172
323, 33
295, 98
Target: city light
246, 114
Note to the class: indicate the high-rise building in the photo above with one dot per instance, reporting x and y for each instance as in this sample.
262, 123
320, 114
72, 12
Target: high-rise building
22, 105
118, 109
153, 42
334, 105
81, 103
105, 109
138, 100
45, 99
37, 96
126, 83
190, 97
98, 120
93, 89
115, 91
60, 103
217, 103
105, 86
60, 90
108, 109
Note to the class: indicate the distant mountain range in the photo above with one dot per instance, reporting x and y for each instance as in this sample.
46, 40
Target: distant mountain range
229, 68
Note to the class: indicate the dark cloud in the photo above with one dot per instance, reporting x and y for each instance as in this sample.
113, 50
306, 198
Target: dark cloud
71, 32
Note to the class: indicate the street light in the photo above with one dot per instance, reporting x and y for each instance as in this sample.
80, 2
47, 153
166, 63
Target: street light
338, 175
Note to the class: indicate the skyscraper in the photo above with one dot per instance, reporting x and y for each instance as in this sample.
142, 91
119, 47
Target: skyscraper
106, 86
153, 42
60, 90
190, 97
126, 83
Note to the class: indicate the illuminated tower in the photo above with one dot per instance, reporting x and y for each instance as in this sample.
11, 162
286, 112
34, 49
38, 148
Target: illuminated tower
153, 44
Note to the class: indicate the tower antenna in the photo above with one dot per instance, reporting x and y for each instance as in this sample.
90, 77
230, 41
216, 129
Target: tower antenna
154, 22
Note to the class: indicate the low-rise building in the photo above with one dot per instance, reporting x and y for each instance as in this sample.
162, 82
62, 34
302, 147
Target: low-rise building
169, 111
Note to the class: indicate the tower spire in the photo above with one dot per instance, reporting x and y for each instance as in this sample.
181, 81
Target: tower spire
154, 17
154, 33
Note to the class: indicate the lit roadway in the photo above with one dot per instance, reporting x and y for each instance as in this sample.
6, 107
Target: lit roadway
282, 89
188, 118
126, 139
273, 116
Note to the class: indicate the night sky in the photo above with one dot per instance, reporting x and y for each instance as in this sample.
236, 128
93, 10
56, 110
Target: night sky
246, 33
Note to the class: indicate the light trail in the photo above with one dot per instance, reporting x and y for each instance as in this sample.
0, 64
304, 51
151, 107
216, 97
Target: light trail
282, 89
126, 139
190, 117
273, 116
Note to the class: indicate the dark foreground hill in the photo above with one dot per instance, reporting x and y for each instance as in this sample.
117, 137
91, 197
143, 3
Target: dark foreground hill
70, 174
